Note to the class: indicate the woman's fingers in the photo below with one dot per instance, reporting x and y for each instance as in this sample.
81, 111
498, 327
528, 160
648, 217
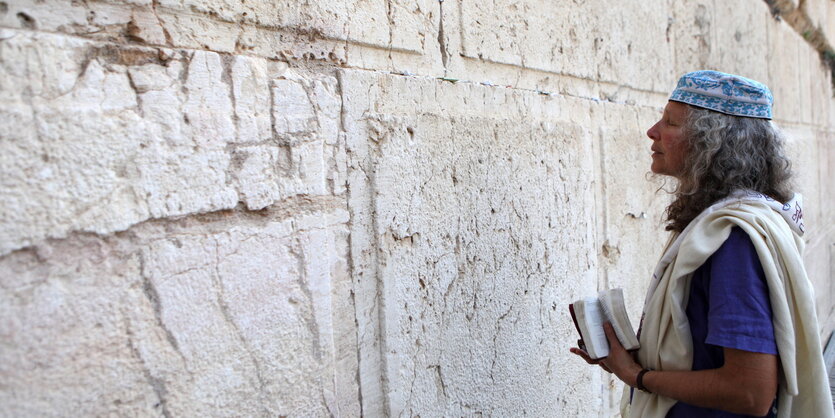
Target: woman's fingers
584, 355
588, 359
611, 335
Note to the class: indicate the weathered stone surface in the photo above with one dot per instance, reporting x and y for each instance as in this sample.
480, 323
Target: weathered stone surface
722, 36
252, 99
785, 73
193, 318
465, 260
115, 137
224, 26
588, 39
67, 343
231, 140
71, 112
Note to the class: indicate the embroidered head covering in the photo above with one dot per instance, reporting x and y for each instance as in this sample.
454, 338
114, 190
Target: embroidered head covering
724, 93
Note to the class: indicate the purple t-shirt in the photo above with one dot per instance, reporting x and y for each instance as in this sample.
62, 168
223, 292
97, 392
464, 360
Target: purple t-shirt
728, 307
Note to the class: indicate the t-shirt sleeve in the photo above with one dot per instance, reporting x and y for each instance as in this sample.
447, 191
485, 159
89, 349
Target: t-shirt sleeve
740, 310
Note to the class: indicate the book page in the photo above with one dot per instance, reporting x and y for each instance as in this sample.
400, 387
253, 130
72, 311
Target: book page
593, 334
615, 310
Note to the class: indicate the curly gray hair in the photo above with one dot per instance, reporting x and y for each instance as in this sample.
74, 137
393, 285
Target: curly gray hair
727, 153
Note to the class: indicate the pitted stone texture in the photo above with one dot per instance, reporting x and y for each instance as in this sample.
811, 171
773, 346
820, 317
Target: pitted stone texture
102, 137
230, 26
730, 37
384, 24
479, 216
103, 20
785, 73
201, 317
67, 341
590, 40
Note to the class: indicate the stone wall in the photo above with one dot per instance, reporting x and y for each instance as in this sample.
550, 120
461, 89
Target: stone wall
346, 208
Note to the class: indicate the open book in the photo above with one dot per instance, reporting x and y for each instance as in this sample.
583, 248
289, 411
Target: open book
590, 314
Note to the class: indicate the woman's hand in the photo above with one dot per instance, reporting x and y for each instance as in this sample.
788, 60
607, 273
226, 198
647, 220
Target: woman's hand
620, 361
582, 353
746, 384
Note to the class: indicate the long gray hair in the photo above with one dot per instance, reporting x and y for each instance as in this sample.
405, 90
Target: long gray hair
726, 153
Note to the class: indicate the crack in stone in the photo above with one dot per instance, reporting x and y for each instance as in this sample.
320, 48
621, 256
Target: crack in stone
276, 138
165, 33
226, 61
439, 379
304, 286
186, 58
279, 211
227, 316
352, 269
495, 337
390, 18
441, 37
150, 292
139, 110
157, 385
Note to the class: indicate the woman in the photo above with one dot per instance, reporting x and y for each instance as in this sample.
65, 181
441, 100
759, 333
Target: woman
729, 326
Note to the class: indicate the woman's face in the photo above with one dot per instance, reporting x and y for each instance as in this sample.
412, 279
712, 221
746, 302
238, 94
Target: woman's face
669, 147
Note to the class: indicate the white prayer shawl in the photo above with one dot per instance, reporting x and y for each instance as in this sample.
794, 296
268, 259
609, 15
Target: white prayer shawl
775, 230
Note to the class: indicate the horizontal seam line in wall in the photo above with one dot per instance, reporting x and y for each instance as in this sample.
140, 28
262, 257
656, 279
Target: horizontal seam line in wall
316, 205
336, 66
819, 127
567, 75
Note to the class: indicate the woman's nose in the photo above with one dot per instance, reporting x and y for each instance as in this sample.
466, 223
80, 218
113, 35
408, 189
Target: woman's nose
652, 132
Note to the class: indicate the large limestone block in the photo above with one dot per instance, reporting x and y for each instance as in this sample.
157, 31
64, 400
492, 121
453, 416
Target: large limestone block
230, 26
364, 20
785, 72
246, 313
128, 20
391, 35
99, 137
68, 333
820, 98
625, 45
71, 134
473, 220
725, 36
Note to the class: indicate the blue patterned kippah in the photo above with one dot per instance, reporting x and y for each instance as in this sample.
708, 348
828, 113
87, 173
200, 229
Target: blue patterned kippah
725, 93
